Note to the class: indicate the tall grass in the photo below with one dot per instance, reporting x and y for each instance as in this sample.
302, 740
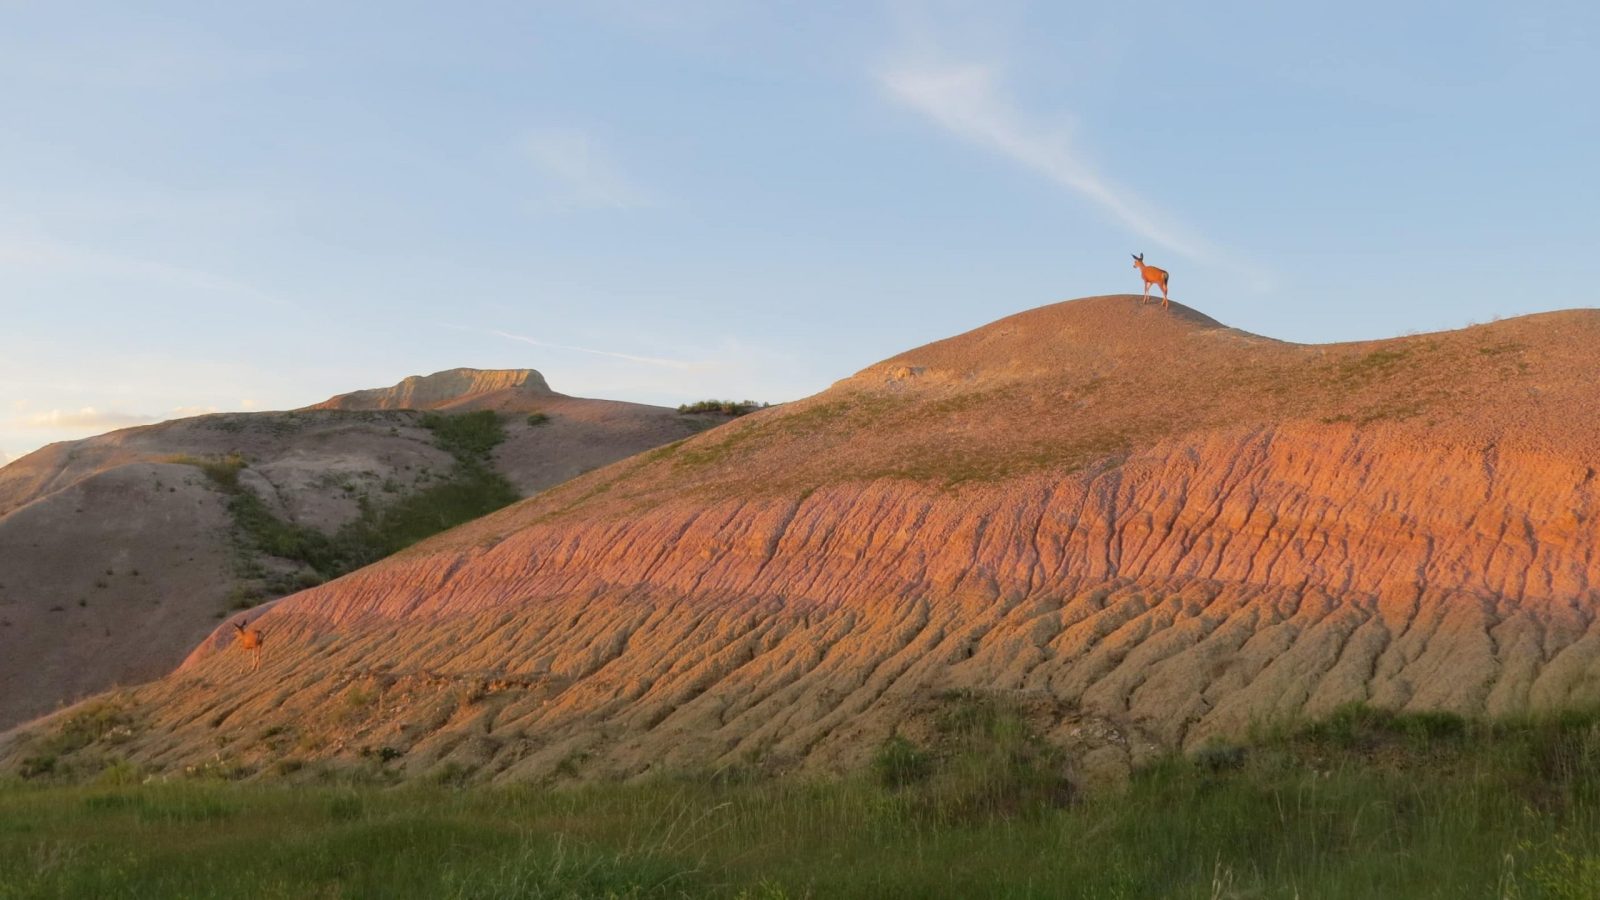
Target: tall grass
1366, 805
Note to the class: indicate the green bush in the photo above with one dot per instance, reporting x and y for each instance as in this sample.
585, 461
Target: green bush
724, 407
1215, 758
899, 763
468, 435
224, 471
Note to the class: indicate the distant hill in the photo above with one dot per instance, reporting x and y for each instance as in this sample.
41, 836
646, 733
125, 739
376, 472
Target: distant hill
1144, 528
510, 390
119, 552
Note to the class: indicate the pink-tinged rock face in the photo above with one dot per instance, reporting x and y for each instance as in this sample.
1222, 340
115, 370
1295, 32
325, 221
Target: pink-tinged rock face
1145, 528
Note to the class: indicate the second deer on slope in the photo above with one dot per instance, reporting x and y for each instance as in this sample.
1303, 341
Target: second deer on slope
249, 639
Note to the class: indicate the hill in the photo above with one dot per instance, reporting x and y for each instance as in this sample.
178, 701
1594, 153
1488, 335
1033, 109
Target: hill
119, 552
511, 390
1143, 528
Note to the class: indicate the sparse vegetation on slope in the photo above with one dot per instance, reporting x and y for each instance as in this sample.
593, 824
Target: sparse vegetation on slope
76, 510
1365, 804
469, 437
472, 489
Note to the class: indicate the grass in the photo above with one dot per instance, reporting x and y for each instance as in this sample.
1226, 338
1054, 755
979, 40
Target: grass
472, 489
1372, 366
1364, 804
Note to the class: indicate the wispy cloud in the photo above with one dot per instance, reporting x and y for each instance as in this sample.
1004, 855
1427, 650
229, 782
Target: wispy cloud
85, 418
23, 250
583, 171
682, 365
967, 100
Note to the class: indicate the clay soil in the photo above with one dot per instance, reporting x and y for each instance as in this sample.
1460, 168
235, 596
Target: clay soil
1147, 529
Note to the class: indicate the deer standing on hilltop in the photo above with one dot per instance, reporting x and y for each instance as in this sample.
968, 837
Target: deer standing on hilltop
1152, 275
249, 639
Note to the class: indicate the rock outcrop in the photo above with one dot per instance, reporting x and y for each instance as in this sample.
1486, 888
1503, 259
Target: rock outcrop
519, 390
1148, 529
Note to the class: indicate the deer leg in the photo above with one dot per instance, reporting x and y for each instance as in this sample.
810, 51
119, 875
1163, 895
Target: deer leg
1164, 296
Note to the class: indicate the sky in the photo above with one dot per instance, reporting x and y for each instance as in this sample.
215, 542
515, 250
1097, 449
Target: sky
241, 206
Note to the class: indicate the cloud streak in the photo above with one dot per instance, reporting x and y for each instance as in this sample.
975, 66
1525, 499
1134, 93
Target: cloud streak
968, 101
679, 364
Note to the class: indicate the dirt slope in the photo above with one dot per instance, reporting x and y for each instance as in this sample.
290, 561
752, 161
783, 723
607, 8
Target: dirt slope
116, 556
1147, 528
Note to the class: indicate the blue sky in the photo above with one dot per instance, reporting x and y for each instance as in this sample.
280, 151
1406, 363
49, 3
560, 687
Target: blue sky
252, 206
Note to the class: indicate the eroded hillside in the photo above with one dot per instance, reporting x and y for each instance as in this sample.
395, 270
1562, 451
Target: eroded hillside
118, 553
1143, 527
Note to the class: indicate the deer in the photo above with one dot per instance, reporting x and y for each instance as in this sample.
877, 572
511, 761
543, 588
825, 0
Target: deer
249, 639
1152, 275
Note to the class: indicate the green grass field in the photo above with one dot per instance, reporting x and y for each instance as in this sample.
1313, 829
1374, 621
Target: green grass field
1365, 805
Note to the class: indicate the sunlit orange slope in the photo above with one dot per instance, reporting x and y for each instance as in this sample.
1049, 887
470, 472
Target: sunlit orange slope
1145, 527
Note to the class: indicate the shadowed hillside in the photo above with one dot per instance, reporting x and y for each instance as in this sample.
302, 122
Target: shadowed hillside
1143, 528
119, 552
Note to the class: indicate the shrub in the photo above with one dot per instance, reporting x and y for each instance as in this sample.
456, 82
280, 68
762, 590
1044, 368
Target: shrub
1219, 757
899, 763
37, 766
452, 774
466, 435
987, 764
119, 773
224, 471
538, 418
724, 407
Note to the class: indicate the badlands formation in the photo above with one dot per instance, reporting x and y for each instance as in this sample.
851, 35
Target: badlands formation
118, 554
1145, 529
